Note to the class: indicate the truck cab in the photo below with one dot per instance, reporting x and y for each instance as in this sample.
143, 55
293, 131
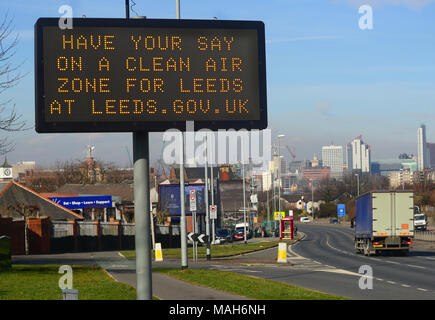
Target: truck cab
420, 219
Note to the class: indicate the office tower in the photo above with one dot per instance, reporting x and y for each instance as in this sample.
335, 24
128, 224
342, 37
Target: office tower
431, 150
422, 152
358, 155
332, 157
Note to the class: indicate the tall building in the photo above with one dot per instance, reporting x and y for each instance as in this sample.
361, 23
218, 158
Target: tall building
423, 160
358, 156
431, 150
332, 157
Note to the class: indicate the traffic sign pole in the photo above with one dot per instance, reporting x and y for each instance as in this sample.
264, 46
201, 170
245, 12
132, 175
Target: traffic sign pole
183, 228
207, 212
142, 216
142, 219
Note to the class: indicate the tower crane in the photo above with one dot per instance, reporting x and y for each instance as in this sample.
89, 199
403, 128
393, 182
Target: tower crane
292, 152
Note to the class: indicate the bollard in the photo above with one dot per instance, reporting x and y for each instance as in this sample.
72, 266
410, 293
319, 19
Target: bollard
282, 252
159, 255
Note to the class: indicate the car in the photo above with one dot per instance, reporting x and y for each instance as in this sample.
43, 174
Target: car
334, 220
240, 235
305, 219
224, 236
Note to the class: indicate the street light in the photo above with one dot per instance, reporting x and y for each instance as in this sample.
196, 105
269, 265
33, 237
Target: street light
279, 172
312, 197
279, 181
357, 179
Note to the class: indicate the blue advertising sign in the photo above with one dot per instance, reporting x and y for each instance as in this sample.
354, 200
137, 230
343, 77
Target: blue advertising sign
169, 198
84, 202
341, 210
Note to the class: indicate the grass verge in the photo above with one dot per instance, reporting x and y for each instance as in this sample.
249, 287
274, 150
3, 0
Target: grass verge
248, 286
216, 250
41, 282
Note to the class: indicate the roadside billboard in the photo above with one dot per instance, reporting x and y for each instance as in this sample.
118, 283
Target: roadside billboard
169, 198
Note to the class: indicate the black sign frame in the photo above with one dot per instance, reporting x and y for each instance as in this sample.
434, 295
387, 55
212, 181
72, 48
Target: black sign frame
43, 126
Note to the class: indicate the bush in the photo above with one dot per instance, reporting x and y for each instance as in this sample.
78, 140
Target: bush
327, 210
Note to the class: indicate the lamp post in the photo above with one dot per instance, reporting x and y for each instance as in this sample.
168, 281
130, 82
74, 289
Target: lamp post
279, 182
279, 172
357, 184
312, 197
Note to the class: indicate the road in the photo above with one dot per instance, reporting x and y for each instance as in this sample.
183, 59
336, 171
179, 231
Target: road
325, 261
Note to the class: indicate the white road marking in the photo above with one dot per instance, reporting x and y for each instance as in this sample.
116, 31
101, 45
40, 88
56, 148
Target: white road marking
414, 266
393, 262
342, 271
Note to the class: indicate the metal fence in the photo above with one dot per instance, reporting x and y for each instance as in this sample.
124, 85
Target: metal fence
92, 236
61, 229
424, 235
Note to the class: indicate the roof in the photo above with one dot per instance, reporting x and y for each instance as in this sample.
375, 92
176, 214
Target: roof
54, 194
196, 173
16, 194
123, 190
3, 184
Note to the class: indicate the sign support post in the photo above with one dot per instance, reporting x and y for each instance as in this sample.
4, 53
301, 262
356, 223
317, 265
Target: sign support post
192, 206
142, 216
142, 210
207, 216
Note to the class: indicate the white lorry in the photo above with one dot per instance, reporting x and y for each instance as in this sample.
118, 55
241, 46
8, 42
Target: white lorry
420, 219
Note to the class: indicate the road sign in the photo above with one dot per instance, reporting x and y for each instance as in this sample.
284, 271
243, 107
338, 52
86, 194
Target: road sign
203, 238
192, 198
191, 236
290, 214
278, 215
197, 237
213, 211
341, 210
118, 75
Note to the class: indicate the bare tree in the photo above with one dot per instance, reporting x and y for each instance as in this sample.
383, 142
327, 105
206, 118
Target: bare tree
10, 121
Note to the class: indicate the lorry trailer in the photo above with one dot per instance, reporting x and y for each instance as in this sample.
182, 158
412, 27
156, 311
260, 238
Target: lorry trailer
384, 221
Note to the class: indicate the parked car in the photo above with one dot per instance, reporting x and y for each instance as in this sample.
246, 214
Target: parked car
239, 232
305, 219
240, 235
334, 220
224, 236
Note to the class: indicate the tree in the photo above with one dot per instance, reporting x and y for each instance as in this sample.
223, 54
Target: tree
10, 121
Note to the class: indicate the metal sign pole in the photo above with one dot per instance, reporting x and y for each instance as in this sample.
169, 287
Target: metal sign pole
183, 232
183, 229
195, 231
141, 209
142, 216
207, 213
213, 228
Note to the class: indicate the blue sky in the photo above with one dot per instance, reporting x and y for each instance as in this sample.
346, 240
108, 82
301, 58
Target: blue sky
328, 80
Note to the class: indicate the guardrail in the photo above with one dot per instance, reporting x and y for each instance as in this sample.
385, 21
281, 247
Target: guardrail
424, 235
